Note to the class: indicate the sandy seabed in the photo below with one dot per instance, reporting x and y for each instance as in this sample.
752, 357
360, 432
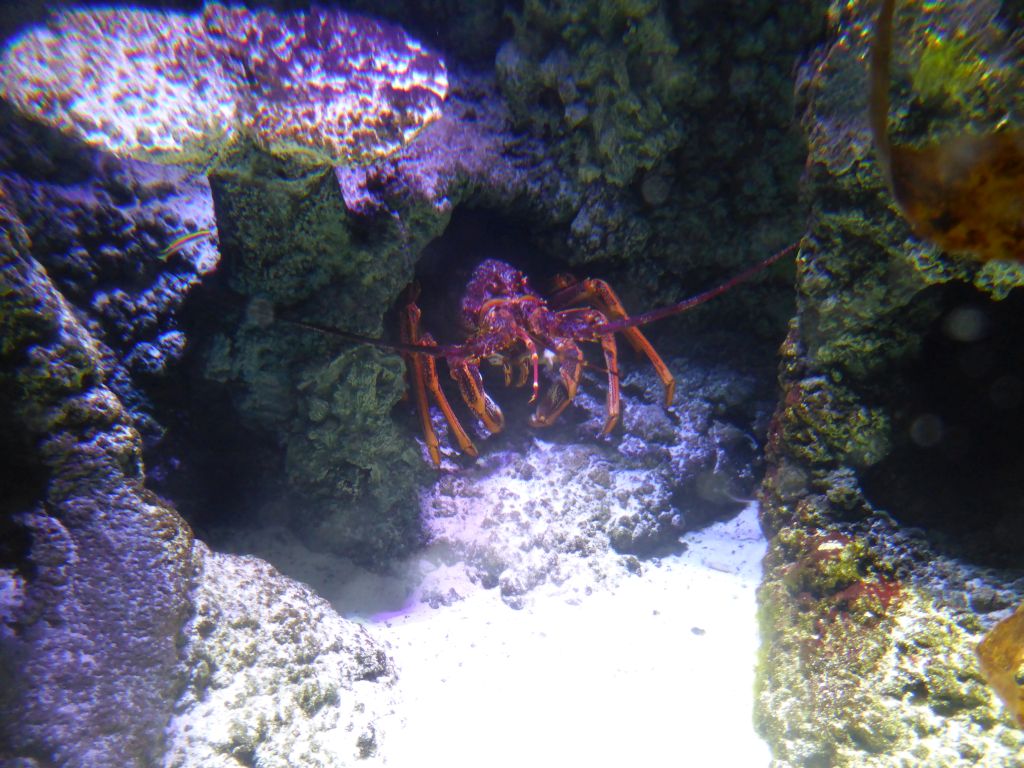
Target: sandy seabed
654, 669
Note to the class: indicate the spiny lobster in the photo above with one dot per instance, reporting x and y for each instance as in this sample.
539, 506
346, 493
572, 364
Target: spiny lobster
511, 326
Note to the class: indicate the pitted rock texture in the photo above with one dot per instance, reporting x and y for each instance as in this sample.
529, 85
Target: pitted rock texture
890, 497
510, 520
96, 568
275, 677
103, 242
322, 87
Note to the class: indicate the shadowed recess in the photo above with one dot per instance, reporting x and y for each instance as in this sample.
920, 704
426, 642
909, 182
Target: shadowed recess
957, 468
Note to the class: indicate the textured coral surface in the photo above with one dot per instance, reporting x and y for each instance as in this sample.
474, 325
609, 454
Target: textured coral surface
894, 457
275, 677
83, 73
325, 86
674, 123
95, 567
322, 87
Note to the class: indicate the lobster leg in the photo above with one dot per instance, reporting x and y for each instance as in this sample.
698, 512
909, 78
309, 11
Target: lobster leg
423, 378
561, 393
577, 324
471, 385
611, 362
601, 295
531, 349
558, 397
520, 368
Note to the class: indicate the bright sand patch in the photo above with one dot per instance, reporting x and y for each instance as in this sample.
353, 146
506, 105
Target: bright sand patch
655, 669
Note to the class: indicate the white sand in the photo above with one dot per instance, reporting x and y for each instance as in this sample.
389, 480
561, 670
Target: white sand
650, 670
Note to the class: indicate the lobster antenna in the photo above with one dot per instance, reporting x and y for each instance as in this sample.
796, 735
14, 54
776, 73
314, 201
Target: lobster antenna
434, 350
700, 298
260, 311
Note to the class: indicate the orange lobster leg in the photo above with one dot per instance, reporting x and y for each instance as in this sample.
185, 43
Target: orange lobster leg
550, 406
605, 299
423, 378
522, 365
471, 385
581, 319
560, 394
611, 362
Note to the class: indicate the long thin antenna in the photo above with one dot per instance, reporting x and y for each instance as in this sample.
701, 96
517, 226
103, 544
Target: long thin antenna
436, 350
426, 349
700, 298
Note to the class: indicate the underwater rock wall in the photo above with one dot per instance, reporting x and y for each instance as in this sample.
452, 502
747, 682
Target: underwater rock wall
709, 135
128, 255
274, 676
98, 226
886, 512
123, 641
95, 568
533, 168
674, 122
336, 248
583, 87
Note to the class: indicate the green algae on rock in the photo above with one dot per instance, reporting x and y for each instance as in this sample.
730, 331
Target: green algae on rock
673, 126
891, 675
614, 68
288, 242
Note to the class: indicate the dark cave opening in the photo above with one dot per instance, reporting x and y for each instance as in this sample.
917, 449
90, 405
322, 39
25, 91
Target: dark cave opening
956, 470
474, 234
23, 480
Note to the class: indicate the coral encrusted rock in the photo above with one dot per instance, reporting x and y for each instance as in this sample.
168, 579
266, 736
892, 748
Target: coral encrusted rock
336, 249
674, 124
323, 87
112, 618
275, 677
891, 496
94, 568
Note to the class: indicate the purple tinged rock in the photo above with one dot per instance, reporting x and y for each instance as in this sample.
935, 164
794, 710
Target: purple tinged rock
323, 87
94, 600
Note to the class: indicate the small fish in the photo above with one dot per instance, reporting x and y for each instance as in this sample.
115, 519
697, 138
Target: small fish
1001, 655
176, 245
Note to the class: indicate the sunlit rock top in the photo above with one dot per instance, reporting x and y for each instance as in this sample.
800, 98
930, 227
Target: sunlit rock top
135, 83
325, 87
339, 87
